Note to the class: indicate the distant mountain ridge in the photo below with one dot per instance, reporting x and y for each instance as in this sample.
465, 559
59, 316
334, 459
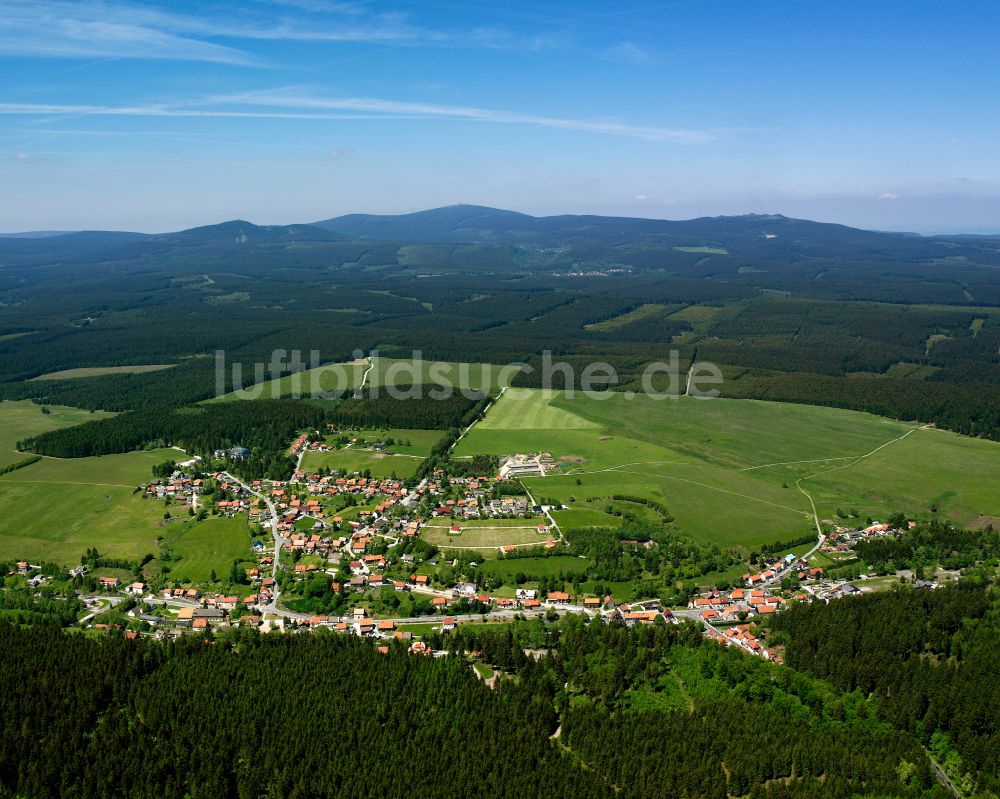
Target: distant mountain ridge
476, 224
472, 224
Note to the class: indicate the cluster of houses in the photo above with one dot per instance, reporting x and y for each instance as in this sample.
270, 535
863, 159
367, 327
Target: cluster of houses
788, 566
842, 540
179, 486
741, 636
366, 488
721, 607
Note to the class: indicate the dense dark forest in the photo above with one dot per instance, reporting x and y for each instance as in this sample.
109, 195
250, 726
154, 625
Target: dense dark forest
931, 544
421, 414
262, 426
266, 425
651, 712
928, 657
903, 326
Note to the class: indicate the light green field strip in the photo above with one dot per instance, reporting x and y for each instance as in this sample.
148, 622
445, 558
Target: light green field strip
531, 409
329, 378
97, 371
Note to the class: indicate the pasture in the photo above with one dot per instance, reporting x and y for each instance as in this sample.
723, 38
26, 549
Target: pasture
401, 457
211, 544
727, 469
536, 568
55, 509
23, 418
356, 459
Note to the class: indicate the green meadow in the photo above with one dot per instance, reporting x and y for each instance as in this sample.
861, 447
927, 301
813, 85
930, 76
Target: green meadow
56, 508
329, 378
211, 544
401, 457
483, 377
535, 568
727, 469
23, 418
338, 377
354, 459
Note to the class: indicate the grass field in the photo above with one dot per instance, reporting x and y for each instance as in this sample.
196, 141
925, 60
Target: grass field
483, 377
358, 460
535, 568
213, 543
399, 458
727, 469
338, 377
485, 537
334, 377
642, 312
97, 371
21, 419
531, 409
55, 509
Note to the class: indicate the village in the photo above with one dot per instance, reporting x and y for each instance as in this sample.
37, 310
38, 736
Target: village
353, 553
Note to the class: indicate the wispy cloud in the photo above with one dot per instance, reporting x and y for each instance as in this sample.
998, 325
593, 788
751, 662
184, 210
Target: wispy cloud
282, 105
292, 99
888, 195
97, 29
629, 52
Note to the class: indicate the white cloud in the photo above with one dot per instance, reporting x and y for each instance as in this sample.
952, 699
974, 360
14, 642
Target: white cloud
279, 105
94, 29
641, 197
51, 28
888, 195
340, 152
287, 98
22, 156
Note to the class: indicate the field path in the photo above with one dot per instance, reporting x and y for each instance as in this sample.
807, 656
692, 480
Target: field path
364, 377
798, 483
718, 488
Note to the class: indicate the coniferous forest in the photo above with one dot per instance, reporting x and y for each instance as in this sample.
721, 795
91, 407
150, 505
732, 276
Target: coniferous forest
588, 710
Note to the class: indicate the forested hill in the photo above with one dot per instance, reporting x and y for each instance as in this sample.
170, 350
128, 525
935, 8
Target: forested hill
905, 326
651, 713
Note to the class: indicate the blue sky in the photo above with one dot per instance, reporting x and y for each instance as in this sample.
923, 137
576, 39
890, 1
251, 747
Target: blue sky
153, 117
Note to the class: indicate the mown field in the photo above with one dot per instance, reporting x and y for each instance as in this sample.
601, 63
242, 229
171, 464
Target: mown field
21, 419
485, 535
727, 469
55, 509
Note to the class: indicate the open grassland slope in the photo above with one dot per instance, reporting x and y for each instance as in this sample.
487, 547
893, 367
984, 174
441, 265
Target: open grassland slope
727, 469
